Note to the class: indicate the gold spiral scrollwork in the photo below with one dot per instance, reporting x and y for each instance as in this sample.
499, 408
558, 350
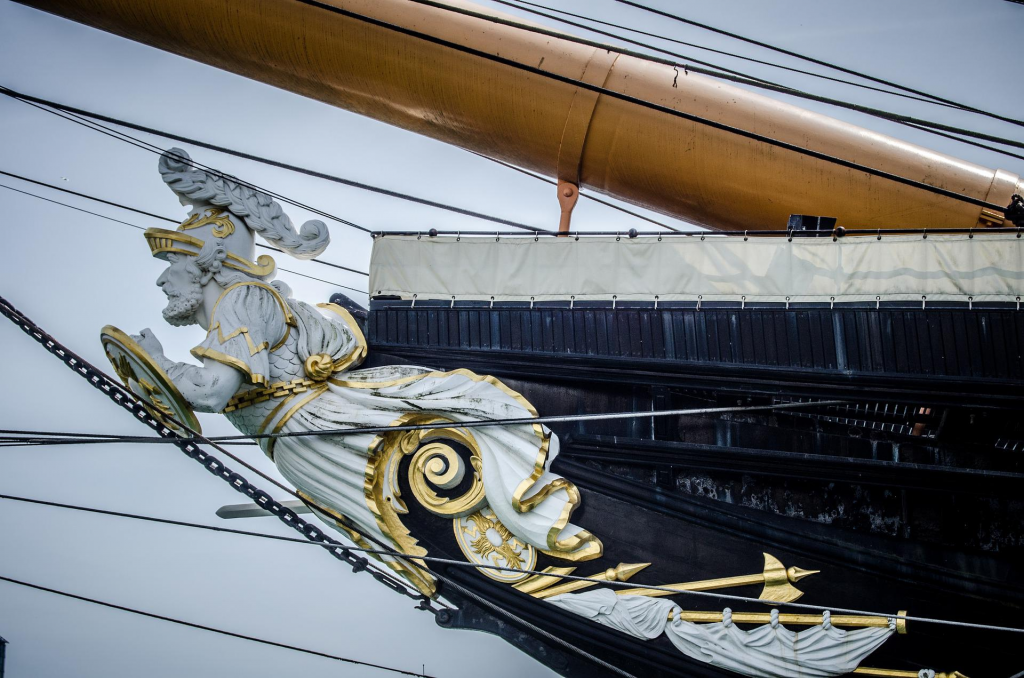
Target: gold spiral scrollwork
434, 464
439, 465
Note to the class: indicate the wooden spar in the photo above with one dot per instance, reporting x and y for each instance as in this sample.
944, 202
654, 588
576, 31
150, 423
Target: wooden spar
679, 167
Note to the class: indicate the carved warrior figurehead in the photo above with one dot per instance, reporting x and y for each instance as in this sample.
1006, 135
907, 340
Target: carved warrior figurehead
220, 233
213, 251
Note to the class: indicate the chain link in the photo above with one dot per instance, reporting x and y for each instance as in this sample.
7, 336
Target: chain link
131, 404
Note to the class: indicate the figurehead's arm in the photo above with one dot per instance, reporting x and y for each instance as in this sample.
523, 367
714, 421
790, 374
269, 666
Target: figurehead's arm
249, 321
207, 388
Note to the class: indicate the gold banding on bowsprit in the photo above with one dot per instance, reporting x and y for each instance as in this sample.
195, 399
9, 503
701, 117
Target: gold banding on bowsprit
162, 241
485, 541
217, 216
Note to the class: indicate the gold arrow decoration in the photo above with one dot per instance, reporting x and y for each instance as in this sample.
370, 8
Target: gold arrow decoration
775, 577
621, 572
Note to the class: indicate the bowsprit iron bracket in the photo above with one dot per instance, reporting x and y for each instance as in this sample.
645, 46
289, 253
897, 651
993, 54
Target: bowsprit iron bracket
568, 194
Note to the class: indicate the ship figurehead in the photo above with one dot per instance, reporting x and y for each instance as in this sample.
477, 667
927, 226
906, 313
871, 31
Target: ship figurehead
275, 365
290, 374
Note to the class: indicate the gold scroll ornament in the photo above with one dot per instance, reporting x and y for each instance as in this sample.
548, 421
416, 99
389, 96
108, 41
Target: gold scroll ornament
143, 377
433, 464
215, 216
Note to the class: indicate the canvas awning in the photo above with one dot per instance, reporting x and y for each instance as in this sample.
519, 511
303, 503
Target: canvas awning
985, 268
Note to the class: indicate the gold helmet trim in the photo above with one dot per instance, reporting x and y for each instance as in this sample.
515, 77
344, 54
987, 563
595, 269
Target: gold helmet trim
161, 241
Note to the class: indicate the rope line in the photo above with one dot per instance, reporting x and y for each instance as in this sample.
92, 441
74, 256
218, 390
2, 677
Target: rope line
103, 216
746, 79
586, 195
478, 423
711, 49
151, 148
731, 76
654, 106
126, 399
500, 568
819, 62
155, 216
203, 627
273, 163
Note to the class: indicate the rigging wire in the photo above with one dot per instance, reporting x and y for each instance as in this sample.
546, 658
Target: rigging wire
477, 423
128, 401
155, 216
203, 627
760, 83
273, 163
146, 146
819, 62
651, 105
328, 177
501, 568
744, 79
588, 196
946, 135
103, 216
158, 216
713, 50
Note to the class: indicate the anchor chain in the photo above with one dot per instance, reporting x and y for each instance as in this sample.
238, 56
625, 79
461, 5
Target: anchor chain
127, 401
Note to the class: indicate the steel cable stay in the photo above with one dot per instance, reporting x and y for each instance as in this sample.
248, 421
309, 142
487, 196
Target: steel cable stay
135, 226
150, 214
713, 50
129, 402
732, 76
322, 175
501, 568
203, 627
819, 62
266, 161
151, 148
928, 126
588, 195
654, 106
313, 534
124, 398
478, 423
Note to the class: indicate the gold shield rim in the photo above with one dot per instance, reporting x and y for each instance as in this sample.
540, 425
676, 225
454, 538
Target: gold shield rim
114, 335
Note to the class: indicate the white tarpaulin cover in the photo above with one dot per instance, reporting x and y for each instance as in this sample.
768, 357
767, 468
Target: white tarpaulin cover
988, 268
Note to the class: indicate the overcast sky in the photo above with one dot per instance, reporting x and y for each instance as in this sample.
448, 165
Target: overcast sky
74, 273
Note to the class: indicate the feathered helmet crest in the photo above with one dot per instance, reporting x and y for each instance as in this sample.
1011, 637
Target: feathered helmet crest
232, 211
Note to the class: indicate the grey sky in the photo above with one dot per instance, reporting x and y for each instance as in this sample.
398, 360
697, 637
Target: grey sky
74, 273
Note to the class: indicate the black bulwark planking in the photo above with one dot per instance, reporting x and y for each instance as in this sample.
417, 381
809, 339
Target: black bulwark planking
933, 352
910, 505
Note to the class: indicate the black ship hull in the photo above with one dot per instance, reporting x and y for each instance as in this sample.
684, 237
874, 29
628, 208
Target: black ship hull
905, 496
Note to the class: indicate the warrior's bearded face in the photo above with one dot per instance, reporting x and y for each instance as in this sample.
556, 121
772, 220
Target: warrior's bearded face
182, 283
